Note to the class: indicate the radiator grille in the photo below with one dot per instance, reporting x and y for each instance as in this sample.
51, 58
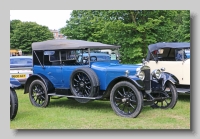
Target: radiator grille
147, 80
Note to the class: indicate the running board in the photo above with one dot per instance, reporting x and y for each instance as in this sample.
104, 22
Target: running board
182, 90
71, 96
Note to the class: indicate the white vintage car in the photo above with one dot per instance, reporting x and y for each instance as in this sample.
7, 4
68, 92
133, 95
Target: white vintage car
21, 68
174, 58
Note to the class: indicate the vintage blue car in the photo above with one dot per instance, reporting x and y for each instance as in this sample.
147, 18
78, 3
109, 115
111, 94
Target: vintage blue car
14, 83
61, 69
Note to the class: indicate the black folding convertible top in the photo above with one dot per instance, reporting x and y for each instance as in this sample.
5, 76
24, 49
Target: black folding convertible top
156, 46
69, 44
160, 45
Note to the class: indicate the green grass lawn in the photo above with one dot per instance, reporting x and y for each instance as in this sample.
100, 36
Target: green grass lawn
65, 113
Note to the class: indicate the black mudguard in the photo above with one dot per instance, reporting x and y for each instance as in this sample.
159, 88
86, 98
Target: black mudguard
47, 82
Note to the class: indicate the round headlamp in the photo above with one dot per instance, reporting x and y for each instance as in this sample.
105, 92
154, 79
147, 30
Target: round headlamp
141, 75
156, 73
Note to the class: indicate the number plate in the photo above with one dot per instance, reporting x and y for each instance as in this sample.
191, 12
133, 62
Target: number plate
19, 76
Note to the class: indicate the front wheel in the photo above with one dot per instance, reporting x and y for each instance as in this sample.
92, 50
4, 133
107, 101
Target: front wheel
126, 100
38, 94
13, 104
168, 98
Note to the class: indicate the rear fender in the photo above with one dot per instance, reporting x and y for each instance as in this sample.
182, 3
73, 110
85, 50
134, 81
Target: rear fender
44, 79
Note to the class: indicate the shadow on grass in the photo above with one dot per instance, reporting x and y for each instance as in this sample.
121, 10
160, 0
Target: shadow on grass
64, 102
184, 97
92, 105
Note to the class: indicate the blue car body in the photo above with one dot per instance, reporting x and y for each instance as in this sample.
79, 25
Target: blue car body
14, 83
73, 69
106, 72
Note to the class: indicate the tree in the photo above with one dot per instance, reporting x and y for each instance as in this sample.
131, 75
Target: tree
134, 30
183, 33
25, 33
13, 24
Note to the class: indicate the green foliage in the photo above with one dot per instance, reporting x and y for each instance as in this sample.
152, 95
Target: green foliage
134, 30
23, 34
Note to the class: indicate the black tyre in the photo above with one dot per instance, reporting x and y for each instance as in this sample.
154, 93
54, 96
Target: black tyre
13, 104
126, 100
84, 83
38, 94
168, 98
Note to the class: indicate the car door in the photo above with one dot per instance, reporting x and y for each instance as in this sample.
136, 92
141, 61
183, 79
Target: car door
186, 72
54, 74
54, 71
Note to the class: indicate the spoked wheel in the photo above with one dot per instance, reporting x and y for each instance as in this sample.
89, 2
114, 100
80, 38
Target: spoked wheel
166, 99
84, 83
126, 100
38, 94
13, 104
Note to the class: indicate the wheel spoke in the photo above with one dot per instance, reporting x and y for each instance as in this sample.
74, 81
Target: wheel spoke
117, 98
124, 91
162, 103
167, 102
87, 87
133, 101
76, 80
132, 106
119, 93
78, 77
119, 104
87, 94
124, 107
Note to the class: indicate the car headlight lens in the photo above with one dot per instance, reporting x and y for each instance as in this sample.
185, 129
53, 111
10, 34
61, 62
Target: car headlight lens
156, 74
141, 75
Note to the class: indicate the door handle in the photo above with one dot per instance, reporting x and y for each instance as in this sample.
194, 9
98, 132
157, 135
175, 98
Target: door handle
49, 72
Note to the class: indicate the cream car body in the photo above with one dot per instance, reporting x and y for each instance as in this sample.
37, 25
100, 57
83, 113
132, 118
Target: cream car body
165, 55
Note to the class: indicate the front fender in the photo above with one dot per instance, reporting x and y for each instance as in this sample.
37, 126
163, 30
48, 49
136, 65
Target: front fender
48, 84
169, 77
137, 82
14, 83
133, 79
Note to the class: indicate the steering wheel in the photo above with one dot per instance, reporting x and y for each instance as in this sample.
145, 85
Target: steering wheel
93, 58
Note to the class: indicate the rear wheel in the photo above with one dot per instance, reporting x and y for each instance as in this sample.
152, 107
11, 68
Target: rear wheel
13, 104
126, 100
38, 94
168, 98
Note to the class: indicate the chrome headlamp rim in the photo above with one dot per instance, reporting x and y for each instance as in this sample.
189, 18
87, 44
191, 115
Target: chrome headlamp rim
140, 74
156, 73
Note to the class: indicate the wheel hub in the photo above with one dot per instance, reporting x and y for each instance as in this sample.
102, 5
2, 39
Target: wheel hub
126, 99
82, 84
